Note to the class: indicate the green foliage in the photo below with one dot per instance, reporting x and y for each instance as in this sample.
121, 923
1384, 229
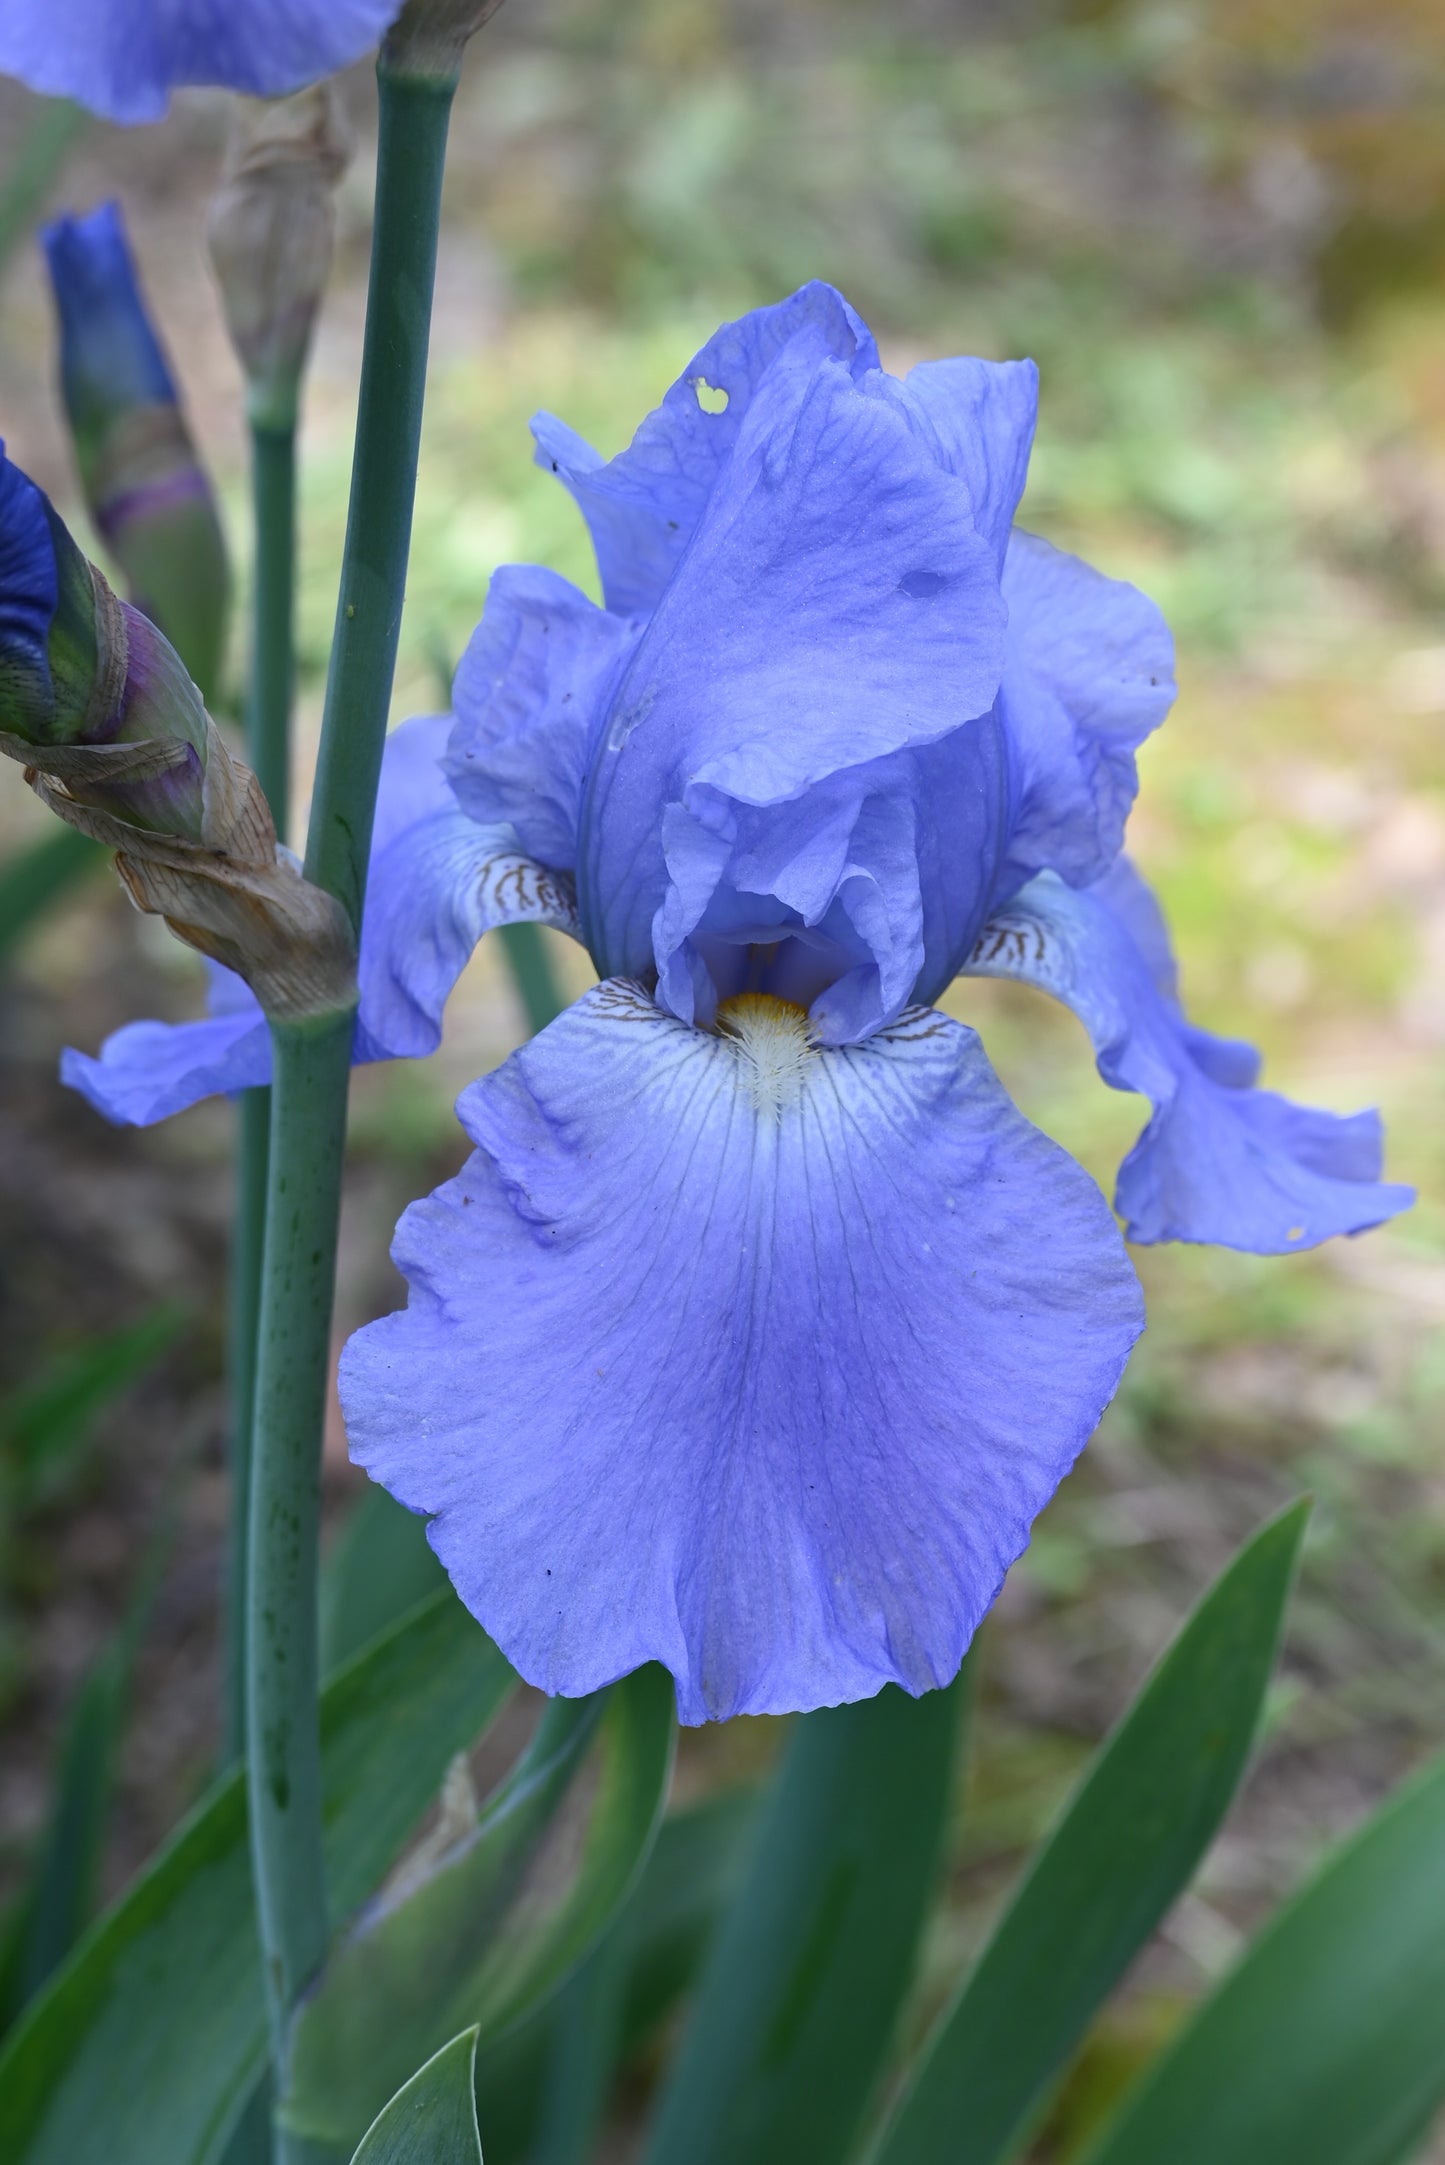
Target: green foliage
803, 1986
380, 1566
488, 1926
1326, 2045
1126, 1847
689, 1880
60, 1893
432, 2120
147, 2044
45, 1427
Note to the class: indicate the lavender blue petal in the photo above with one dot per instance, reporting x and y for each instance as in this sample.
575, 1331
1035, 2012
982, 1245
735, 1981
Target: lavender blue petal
977, 419
768, 1393
530, 695
836, 607
1089, 674
149, 1070
1219, 1161
122, 58
643, 507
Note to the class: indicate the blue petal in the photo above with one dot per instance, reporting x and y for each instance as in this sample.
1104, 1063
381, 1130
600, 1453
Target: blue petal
761, 1371
1219, 1160
110, 357
977, 418
533, 686
122, 58
149, 1070
643, 507
29, 597
837, 607
1089, 673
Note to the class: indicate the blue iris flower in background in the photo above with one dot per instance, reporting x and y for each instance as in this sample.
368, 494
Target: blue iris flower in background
147, 490
760, 1325
122, 58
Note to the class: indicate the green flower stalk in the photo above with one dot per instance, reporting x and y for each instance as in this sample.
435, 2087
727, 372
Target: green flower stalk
142, 476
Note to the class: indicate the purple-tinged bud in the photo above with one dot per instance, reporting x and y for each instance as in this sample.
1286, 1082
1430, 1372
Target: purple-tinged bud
114, 737
429, 37
271, 228
147, 490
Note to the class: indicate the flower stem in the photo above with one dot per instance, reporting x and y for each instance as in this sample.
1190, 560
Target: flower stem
268, 711
410, 152
311, 1065
268, 748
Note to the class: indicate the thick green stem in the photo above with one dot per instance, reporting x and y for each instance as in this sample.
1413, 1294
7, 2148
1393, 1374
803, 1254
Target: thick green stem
268, 749
311, 1065
253, 1122
410, 152
268, 709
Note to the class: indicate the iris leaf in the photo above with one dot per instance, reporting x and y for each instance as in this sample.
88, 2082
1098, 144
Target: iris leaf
499, 1919
432, 2120
1125, 1848
688, 1881
147, 2044
800, 1996
1326, 2045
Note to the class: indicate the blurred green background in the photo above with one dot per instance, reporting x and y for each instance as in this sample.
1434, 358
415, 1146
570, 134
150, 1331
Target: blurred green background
1220, 230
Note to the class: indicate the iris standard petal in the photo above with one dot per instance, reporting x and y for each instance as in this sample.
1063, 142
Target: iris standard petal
1088, 674
122, 58
1219, 1160
749, 1358
529, 697
643, 507
977, 418
837, 606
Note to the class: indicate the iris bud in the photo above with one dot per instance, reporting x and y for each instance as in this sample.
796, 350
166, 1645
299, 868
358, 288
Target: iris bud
115, 739
429, 37
271, 229
143, 480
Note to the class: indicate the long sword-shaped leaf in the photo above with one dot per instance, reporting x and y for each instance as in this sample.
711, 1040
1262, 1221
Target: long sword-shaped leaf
687, 1883
1326, 2045
145, 2047
1125, 1848
498, 1921
432, 2120
799, 1999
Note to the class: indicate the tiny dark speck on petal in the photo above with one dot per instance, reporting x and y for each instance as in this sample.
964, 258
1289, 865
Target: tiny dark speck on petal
919, 585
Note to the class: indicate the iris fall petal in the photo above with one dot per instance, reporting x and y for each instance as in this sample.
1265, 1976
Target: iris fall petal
747, 1357
1219, 1161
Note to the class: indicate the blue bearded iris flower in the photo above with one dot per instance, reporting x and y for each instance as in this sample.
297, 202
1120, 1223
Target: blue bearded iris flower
760, 1325
122, 58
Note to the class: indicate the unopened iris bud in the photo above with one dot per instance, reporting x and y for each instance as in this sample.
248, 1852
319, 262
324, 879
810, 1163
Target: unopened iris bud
272, 226
429, 37
147, 490
115, 738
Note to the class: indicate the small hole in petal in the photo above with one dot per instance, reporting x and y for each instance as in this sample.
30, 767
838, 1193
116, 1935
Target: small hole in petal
919, 585
1296, 1232
711, 397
